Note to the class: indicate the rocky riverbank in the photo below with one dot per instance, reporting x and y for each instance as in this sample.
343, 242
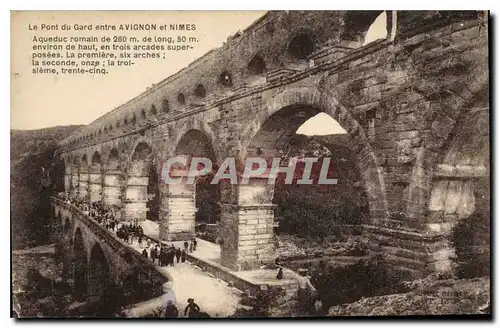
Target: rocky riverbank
429, 296
37, 283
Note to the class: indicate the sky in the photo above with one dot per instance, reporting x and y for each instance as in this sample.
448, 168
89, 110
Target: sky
40, 101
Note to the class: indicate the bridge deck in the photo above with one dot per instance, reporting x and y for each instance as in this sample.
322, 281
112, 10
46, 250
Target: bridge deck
207, 255
213, 295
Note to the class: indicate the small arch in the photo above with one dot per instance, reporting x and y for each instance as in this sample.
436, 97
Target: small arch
113, 160
133, 120
79, 266
200, 91
256, 65
353, 32
143, 113
165, 106
153, 110
142, 151
181, 99
58, 224
98, 272
84, 160
67, 226
377, 30
226, 79
301, 46
125, 121
96, 158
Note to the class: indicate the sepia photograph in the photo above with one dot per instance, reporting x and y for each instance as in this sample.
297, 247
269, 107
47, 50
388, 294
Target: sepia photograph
250, 164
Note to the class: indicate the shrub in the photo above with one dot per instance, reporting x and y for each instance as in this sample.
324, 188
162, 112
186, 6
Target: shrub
351, 283
471, 239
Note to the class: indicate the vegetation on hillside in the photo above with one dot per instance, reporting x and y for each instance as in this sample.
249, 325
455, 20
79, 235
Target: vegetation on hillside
36, 173
316, 210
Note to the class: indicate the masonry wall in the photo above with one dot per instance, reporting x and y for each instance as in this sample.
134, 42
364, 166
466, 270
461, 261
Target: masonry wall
404, 96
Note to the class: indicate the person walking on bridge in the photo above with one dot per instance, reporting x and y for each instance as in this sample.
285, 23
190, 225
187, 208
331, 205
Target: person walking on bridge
178, 254
153, 254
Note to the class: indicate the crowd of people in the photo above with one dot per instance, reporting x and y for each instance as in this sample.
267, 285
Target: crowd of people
161, 255
129, 232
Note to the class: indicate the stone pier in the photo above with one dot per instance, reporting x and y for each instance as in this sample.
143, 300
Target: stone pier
179, 210
83, 182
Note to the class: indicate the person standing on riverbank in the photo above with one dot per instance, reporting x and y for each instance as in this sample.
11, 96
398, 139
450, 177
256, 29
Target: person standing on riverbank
306, 294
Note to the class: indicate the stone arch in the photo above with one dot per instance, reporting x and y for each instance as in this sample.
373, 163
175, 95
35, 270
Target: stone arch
84, 177
257, 65
301, 46
436, 141
97, 273
142, 160
67, 226
306, 102
355, 26
165, 106
194, 124
271, 129
195, 142
95, 178
225, 79
153, 110
181, 99
75, 176
465, 163
79, 266
184, 200
200, 91
113, 182
67, 174
58, 224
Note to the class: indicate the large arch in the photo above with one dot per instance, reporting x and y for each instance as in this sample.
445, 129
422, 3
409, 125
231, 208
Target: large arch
264, 136
95, 178
79, 266
296, 106
437, 140
83, 188
181, 200
98, 273
75, 176
460, 192
139, 166
113, 182
67, 175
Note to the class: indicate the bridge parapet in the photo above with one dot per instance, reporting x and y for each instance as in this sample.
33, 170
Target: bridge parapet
136, 263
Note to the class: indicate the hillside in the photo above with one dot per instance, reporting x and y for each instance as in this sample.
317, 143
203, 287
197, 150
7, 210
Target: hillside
315, 210
35, 174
